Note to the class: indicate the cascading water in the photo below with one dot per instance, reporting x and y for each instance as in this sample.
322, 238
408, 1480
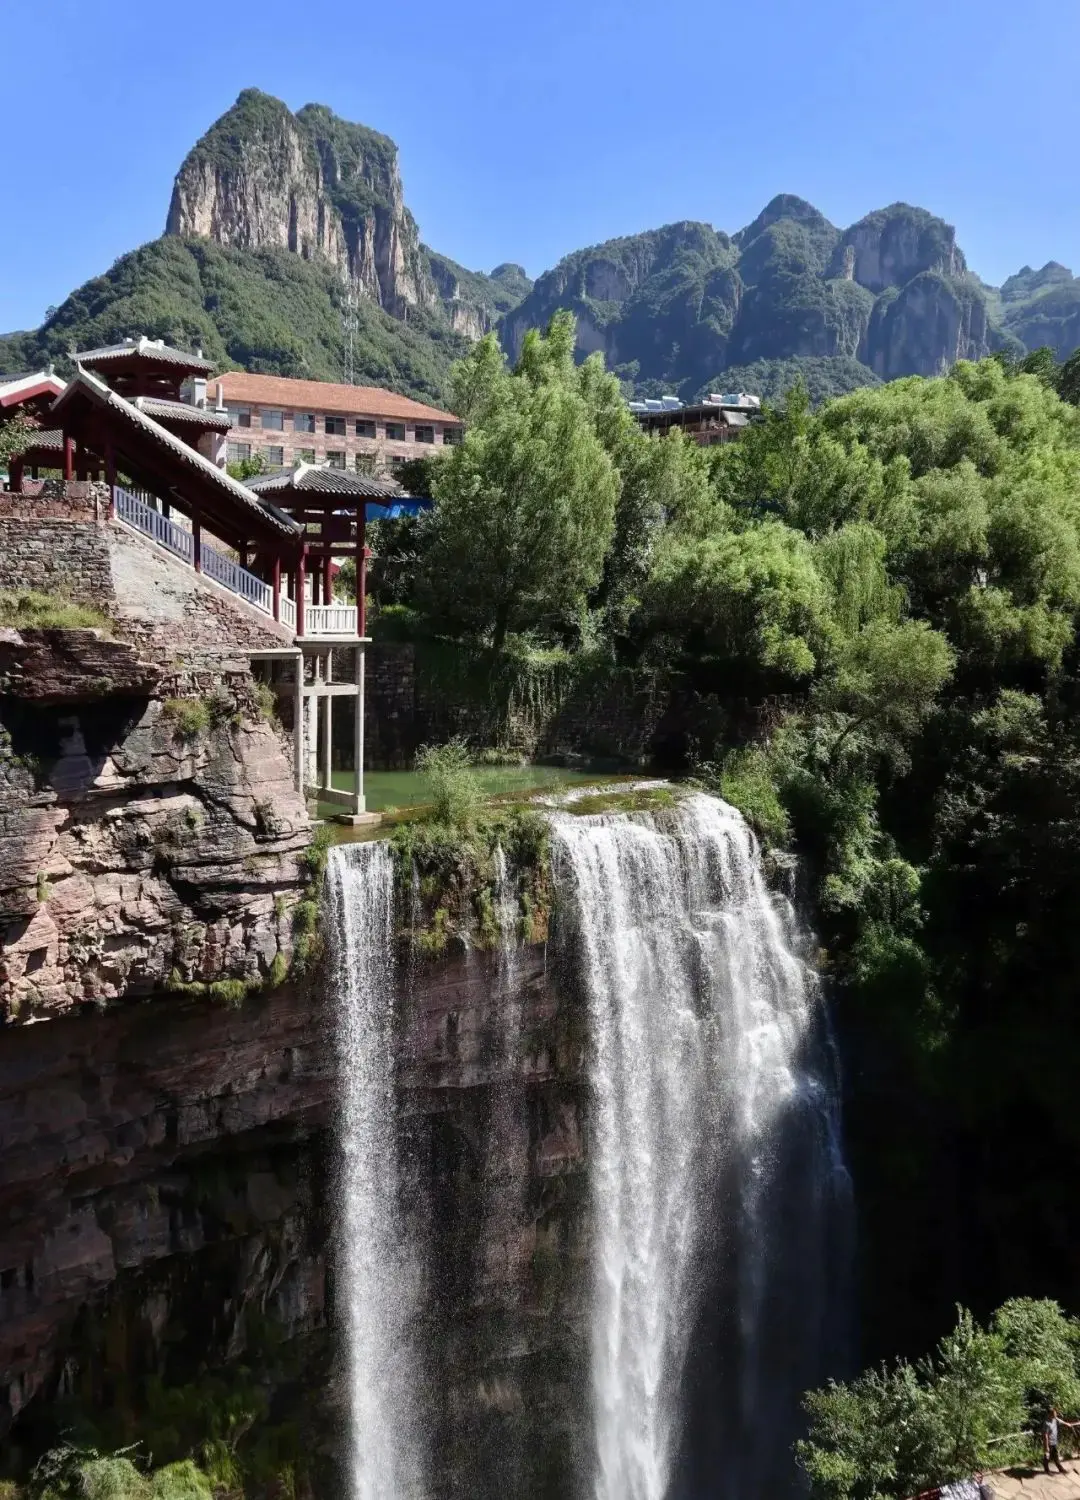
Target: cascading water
718, 1191
378, 1279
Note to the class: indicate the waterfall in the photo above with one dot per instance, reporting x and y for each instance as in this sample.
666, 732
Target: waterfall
378, 1281
718, 1191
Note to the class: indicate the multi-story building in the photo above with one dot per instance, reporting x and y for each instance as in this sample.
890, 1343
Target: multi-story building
717, 419
356, 427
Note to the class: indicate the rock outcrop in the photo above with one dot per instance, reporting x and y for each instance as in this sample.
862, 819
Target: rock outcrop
151, 832
166, 1176
314, 184
894, 245
311, 183
928, 325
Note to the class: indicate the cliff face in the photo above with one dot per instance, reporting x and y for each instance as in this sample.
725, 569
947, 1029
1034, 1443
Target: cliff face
318, 186
166, 1185
150, 830
679, 307
263, 177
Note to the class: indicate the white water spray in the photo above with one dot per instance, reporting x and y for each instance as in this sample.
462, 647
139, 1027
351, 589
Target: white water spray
713, 1150
378, 1280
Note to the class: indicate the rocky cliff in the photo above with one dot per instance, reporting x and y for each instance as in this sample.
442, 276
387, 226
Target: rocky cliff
316, 185
681, 307
166, 1182
263, 177
150, 830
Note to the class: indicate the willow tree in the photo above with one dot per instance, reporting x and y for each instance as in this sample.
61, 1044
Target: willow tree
525, 505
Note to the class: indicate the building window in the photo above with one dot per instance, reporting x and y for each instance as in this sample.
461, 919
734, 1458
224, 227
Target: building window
398, 461
238, 452
451, 436
240, 416
304, 421
425, 434
395, 432
335, 457
275, 457
335, 426
303, 455
365, 464
364, 428
272, 421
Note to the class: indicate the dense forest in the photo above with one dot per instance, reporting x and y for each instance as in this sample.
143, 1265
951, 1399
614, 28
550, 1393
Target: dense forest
892, 584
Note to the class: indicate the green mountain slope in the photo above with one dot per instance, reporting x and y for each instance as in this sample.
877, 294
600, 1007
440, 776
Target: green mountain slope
263, 310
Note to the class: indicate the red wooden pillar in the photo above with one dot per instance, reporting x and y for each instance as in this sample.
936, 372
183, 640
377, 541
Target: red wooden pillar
242, 554
327, 579
362, 555
301, 590
81, 469
196, 540
15, 475
69, 458
276, 585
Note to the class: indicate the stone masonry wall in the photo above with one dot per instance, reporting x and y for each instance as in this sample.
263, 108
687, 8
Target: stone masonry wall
58, 544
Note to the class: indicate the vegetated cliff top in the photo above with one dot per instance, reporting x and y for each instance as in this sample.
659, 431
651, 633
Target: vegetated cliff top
353, 158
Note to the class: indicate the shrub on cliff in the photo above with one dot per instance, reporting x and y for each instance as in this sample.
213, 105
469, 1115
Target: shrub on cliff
454, 788
975, 1403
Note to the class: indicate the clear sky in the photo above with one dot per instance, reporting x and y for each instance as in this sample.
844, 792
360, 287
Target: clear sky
527, 131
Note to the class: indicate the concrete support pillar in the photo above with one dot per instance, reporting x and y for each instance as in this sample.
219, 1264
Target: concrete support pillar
360, 802
311, 744
327, 731
328, 719
299, 743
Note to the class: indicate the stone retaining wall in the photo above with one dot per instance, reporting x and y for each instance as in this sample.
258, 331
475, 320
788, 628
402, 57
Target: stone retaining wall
57, 542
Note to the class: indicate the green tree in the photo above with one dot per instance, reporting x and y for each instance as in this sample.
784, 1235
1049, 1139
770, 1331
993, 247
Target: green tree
525, 505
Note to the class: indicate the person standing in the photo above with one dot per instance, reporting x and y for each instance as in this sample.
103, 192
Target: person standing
1051, 1429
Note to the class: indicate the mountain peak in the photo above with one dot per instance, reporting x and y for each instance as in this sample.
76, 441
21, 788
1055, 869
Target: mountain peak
783, 206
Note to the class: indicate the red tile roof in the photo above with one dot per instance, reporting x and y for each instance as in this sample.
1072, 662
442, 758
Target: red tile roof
322, 395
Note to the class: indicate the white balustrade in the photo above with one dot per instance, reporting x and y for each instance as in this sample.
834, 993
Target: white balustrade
330, 619
319, 619
236, 579
136, 513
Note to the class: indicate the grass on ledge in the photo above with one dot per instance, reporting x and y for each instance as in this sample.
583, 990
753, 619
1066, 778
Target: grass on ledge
27, 609
621, 800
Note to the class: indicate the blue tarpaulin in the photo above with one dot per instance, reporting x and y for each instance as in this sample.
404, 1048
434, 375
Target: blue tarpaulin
405, 505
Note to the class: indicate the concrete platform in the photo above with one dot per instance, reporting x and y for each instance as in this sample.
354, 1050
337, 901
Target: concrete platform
1028, 1482
358, 820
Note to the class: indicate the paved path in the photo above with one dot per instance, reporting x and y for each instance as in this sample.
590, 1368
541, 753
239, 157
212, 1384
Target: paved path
1033, 1484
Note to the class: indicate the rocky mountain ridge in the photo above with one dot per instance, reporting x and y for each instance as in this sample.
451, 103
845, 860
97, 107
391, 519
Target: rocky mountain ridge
678, 308
283, 227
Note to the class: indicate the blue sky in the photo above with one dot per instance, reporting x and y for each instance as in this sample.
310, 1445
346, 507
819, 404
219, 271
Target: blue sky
529, 131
